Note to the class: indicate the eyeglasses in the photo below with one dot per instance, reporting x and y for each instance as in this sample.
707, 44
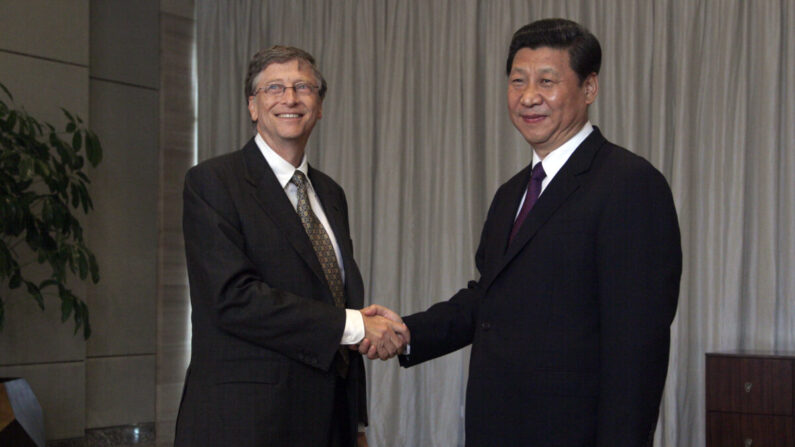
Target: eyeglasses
276, 90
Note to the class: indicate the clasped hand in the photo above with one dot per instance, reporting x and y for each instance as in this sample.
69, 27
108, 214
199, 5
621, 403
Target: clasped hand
385, 334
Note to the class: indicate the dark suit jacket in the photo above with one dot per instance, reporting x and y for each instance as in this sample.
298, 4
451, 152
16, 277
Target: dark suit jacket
569, 325
265, 330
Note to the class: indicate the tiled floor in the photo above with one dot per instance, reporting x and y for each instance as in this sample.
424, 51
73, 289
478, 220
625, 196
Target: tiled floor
150, 444
141, 435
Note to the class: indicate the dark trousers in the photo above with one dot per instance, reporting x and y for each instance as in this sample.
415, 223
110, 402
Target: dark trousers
340, 435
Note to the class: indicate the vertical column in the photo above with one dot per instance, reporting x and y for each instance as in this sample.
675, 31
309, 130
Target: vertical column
120, 364
177, 154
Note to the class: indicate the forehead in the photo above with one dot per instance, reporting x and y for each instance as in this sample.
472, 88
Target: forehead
542, 58
292, 69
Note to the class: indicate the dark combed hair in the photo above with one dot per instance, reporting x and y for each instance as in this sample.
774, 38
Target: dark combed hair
279, 54
585, 53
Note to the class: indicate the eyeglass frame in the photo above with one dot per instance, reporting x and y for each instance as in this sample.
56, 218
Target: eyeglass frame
312, 89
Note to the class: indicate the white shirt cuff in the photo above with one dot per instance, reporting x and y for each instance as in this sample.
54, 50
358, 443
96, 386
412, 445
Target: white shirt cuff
354, 327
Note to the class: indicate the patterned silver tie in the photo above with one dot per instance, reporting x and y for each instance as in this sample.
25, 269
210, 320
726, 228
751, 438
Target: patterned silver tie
325, 254
320, 241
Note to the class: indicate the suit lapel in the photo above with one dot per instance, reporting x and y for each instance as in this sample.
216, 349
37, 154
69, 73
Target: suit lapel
505, 213
273, 200
566, 181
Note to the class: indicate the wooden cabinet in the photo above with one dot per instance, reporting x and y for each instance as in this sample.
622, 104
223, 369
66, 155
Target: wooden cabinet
750, 399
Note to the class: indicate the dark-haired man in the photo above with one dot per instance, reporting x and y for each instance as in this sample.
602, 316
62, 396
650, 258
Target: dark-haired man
273, 282
579, 264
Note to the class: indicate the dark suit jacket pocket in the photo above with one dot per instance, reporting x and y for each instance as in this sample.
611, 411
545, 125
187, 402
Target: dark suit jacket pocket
250, 371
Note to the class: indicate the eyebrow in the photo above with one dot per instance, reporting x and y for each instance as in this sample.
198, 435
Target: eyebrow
548, 70
282, 81
545, 70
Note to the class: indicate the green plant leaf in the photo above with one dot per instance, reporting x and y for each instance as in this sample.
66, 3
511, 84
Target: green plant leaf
47, 241
77, 141
26, 169
35, 292
15, 281
82, 263
11, 121
67, 305
71, 127
75, 195
94, 267
3, 87
84, 318
7, 263
71, 260
46, 211
2, 309
85, 200
42, 168
93, 148
47, 283
68, 115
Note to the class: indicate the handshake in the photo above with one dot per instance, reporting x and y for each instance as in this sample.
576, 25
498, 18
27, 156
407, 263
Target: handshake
385, 335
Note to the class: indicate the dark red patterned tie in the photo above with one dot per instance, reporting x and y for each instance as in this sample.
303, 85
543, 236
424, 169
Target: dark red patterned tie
537, 176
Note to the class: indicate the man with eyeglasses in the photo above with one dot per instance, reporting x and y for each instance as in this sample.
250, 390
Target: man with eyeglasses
273, 282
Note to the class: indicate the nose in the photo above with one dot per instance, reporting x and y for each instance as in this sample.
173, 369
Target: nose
289, 96
530, 96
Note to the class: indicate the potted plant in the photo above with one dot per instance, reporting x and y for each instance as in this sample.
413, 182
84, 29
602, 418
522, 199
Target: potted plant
42, 187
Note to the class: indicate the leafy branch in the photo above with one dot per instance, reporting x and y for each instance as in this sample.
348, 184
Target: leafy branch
41, 183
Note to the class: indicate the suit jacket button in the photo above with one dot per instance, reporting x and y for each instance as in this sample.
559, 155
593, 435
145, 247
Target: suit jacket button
485, 325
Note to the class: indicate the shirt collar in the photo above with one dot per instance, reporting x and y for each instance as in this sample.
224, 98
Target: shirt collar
282, 168
558, 157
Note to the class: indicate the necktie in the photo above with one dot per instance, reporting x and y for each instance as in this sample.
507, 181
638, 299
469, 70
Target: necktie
325, 254
537, 176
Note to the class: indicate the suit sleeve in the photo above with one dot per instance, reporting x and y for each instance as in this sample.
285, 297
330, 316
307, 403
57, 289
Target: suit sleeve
639, 263
227, 291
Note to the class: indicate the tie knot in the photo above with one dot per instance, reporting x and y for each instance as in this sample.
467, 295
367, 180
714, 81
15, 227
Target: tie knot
299, 179
538, 173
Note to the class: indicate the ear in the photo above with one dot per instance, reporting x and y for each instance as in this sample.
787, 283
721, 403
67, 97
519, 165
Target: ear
252, 108
591, 88
320, 110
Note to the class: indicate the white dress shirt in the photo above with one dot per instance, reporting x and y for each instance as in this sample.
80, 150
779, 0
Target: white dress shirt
284, 170
556, 159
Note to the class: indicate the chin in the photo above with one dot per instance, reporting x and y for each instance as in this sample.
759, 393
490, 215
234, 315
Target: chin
536, 139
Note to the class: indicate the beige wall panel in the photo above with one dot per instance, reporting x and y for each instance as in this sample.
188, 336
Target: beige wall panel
60, 389
125, 41
35, 336
123, 228
53, 29
182, 8
120, 391
43, 87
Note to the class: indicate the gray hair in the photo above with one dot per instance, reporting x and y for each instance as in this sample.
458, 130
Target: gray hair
279, 54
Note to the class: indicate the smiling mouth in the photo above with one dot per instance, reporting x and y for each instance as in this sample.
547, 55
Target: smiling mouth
288, 115
532, 118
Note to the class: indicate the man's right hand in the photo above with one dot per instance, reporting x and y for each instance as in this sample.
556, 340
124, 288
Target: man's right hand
392, 341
